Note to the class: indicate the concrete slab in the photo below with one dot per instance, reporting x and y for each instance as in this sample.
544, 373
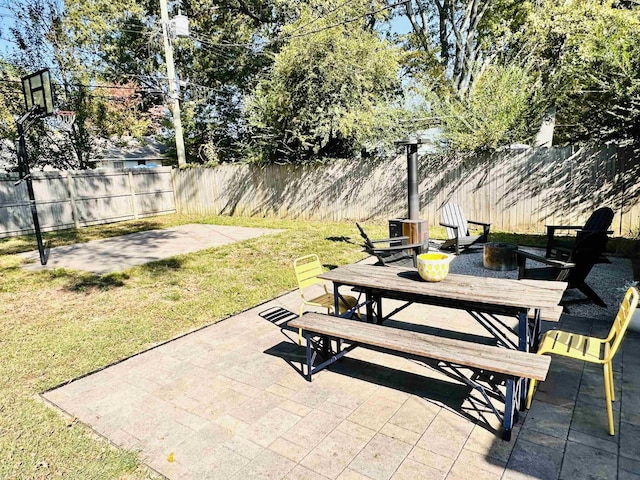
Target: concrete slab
126, 251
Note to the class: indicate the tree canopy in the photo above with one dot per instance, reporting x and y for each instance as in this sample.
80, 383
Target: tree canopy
330, 92
284, 80
587, 57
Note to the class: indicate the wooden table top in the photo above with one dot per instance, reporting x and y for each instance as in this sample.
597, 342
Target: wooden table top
462, 289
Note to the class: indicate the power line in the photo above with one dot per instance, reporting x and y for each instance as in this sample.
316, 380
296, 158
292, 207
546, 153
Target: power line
345, 22
321, 17
304, 34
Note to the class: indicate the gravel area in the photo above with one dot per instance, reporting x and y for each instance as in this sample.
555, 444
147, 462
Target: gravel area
608, 280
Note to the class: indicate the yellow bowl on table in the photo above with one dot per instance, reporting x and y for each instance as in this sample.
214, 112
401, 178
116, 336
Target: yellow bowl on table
433, 267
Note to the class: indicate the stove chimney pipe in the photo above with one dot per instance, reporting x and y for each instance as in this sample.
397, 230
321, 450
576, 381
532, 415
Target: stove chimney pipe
412, 183
413, 196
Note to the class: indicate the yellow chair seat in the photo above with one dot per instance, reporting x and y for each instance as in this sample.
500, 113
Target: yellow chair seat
567, 344
346, 302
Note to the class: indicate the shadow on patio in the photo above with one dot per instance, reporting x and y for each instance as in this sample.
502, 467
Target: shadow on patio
229, 401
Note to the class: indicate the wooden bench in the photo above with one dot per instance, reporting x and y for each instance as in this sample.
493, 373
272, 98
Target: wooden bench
514, 365
548, 314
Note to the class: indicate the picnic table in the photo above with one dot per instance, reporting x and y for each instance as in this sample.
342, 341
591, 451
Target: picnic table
529, 300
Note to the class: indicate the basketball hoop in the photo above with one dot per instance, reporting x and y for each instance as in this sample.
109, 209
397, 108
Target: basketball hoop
62, 120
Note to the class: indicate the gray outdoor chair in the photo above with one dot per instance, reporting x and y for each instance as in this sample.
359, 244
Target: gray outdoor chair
397, 251
457, 227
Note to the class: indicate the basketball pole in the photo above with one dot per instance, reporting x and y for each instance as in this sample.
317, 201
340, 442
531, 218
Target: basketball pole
23, 124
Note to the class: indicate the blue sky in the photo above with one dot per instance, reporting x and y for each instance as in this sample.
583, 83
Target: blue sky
400, 25
5, 24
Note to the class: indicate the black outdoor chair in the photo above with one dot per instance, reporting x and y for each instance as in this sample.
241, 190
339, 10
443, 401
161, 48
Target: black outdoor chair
398, 252
560, 248
586, 251
457, 227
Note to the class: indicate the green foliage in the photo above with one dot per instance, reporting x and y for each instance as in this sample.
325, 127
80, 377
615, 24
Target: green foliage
329, 94
493, 112
588, 58
66, 39
223, 60
452, 41
9, 98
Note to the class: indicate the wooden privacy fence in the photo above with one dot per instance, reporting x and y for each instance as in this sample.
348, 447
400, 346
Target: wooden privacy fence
517, 191
67, 199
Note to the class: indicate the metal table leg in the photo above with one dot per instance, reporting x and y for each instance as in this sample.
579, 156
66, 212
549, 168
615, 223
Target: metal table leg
369, 308
336, 299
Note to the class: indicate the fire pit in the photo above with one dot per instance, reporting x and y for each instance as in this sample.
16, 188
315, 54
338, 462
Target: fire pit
500, 256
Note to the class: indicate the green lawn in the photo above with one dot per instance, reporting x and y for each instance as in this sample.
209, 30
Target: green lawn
58, 325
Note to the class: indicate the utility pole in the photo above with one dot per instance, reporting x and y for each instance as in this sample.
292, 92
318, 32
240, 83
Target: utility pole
173, 86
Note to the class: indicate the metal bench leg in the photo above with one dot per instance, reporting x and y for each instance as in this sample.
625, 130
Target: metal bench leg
524, 343
329, 358
307, 337
509, 409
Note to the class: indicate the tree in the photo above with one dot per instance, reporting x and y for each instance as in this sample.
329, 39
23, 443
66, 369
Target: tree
229, 50
587, 58
331, 91
460, 56
453, 41
48, 35
495, 111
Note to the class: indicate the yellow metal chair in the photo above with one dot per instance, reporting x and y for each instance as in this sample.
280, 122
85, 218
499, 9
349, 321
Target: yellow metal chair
307, 270
592, 349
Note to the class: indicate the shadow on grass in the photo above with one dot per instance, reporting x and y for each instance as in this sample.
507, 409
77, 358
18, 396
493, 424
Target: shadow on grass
342, 239
163, 266
88, 282
58, 238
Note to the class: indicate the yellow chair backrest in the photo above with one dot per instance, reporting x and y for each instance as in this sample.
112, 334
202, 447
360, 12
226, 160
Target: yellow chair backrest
307, 269
622, 321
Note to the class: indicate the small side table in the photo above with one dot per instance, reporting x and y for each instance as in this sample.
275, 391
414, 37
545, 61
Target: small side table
499, 256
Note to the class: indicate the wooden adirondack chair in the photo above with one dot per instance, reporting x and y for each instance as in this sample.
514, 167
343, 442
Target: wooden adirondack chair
398, 252
584, 255
558, 248
457, 227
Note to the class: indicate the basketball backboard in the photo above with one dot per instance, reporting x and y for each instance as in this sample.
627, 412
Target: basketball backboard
37, 91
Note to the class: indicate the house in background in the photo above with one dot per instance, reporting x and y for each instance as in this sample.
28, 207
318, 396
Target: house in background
133, 154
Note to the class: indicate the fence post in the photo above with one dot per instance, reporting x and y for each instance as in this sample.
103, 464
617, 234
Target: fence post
176, 202
132, 189
72, 199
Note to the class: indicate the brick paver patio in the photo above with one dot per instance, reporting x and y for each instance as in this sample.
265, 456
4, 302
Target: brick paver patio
228, 402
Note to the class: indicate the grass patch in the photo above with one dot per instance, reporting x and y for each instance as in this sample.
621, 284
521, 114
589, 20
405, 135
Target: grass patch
60, 324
